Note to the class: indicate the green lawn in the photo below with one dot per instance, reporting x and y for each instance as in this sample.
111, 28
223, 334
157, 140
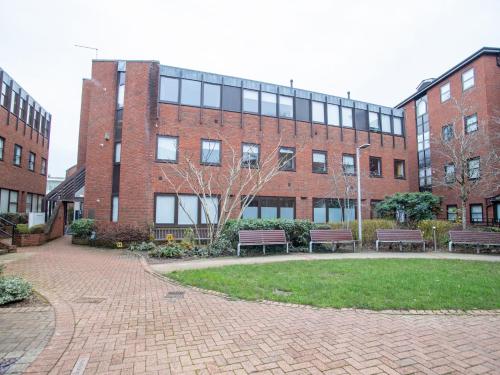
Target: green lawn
371, 284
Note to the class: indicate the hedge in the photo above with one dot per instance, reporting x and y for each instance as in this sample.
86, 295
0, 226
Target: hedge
24, 229
442, 228
369, 228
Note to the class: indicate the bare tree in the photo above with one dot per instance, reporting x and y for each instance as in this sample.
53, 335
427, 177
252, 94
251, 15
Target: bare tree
344, 186
225, 192
470, 156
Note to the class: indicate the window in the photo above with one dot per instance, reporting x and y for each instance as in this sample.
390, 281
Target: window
43, 166
13, 102
231, 98
346, 117
17, 155
187, 210
451, 213
476, 213
318, 110
286, 106
209, 210
445, 92
118, 152
447, 132
386, 123
333, 114
375, 166
31, 161
211, 95
22, 108
333, 210
210, 152
449, 173
3, 94
13, 201
373, 121
287, 158
398, 125
399, 169
114, 209
165, 209
8, 201
471, 123
191, 92
169, 89
361, 119
250, 155
29, 201
348, 164
302, 109
2, 147
268, 104
468, 79
167, 148
121, 96
474, 168
251, 101
319, 162
270, 208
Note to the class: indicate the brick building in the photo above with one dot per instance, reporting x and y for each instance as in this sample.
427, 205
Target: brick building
465, 99
24, 148
139, 117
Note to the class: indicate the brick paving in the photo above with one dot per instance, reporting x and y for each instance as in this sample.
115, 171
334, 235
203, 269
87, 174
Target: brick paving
113, 317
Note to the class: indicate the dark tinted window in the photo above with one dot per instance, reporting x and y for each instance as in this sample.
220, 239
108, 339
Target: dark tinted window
302, 109
361, 119
231, 98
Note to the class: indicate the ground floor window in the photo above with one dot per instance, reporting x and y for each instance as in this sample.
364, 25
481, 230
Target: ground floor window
333, 210
186, 209
451, 212
270, 208
8, 201
34, 203
476, 213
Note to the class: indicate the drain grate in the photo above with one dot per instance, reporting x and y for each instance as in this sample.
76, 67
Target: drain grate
6, 363
177, 294
89, 300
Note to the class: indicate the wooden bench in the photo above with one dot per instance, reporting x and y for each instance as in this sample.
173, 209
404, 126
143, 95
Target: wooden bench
467, 237
261, 238
400, 236
331, 236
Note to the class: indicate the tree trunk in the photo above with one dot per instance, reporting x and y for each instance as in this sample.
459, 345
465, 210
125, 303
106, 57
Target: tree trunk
464, 215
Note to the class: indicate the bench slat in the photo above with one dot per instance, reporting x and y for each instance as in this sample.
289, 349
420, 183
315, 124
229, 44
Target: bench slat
330, 235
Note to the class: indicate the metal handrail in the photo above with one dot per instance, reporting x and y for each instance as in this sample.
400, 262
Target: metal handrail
8, 223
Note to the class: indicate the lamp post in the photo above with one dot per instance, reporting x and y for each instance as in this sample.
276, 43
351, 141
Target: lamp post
358, 174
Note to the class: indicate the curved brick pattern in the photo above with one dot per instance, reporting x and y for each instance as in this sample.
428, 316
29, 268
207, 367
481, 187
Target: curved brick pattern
128, 321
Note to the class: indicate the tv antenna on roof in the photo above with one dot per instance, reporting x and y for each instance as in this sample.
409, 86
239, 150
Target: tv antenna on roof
87, 47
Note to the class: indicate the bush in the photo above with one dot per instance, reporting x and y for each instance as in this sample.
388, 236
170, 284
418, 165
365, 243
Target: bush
82, 228
16, 218
442, 229
22, 229
35, 229
170, 250
108, 234
13, 289
222, 246
369, 228
39, 228
143, 246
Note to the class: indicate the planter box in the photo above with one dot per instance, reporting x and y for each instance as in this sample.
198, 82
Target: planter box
79, 241
32, 239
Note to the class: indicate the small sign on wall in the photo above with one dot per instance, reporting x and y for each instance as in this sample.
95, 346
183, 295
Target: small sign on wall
35, 218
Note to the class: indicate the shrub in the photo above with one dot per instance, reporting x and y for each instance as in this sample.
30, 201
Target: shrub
143, 246
108, 234
13, 289
369, 228
82, 228
39, 228
442, 229
221, 246
22, 228
16, 218
35, 229
170, 250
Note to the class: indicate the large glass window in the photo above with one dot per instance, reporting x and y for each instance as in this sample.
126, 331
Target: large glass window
386, 123
474, 168
165, 209
319, 162
333, 210
2, 147
318, 110
187, 207
251, 101
286, 106
169, 89
302, 110
347, 117
31, 161
191, 92
333, 114
361, 119
348, 164
476, 213
373, 121
468, 79
231, 98
471, 123
270, 208
398, 125
18, 150
445, 92
250, 155
268, 104
399, 169
167, 148
210, 152
287, 158
211, 95
375, 166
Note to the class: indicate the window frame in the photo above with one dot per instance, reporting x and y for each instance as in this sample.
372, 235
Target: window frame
176, 137
320, 152
31, 166
176, 210
279, 107
328, 204
441, 92
378, 129
178, 90
443, 132
262, 94
378, 159
294, 158
257, 166
396, 161
466, 126
470, 213
452, 178
16, 147
204, 96
473, 79
244, 110
198, 105
43, 167
478, 158
448, 206
315, 103
278, 199
201, 152
354, 164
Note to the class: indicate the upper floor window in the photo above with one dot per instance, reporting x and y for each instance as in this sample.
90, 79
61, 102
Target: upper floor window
43, 167
348, 164
31, 161
3, 94
375, 166
399, 169
167, 148
191, 92
421, 107
398, 125
319, 162
118, 152
268, 104
473, 166
287, 158
169, 89
210, 152
250, 155
18, 150
447, 133
2, 146
333, 114
211, 95
467, 79
445, 92
251, 101
449, 173
115, 202
373, 121
120, 98
22, 109
318, 112
386, 123
471, 123
13, 102
286, 106
347, 117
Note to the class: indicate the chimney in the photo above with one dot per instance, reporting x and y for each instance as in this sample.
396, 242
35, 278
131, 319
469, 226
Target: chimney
291, 83
348, 95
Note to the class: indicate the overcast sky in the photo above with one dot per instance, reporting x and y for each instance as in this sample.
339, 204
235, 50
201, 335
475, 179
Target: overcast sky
378, 50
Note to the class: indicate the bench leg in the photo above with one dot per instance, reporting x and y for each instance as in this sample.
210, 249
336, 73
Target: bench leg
310, 247
334, 246
264, 249
400, 246
238, 252
287, 247
354, 246
424, 246
450, 246
376, 245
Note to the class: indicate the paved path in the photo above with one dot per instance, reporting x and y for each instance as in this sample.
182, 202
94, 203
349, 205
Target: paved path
112, 317
177, 265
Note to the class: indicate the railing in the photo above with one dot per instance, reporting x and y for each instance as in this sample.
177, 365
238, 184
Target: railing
163, 233
7, 229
